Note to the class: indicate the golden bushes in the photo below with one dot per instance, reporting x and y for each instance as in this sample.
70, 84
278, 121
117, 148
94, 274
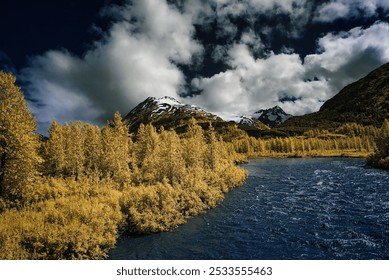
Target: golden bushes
175, 178
357, 140
152, 208
380, 158
80, 221
93, 183
18, 144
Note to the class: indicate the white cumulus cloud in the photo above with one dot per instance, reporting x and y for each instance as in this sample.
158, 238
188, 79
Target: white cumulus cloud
137, 58
336, 9
299, 86
143, 52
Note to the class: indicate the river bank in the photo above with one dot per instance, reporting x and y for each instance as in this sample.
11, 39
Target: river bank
289, 208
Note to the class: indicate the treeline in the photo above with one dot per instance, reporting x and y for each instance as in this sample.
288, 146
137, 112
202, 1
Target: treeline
69, 196
380, 157
347, 140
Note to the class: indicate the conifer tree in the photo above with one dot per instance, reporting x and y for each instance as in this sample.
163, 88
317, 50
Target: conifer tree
380, 158
146, 154
74, 149
54, 151
171, 163
19, 143
116, 150
93, 147
194, 145
213, 148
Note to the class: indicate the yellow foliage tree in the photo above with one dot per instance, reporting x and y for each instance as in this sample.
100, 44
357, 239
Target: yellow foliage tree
380, 158
93, 147
194, 145
74, 138
19, 143
172, 165
116, 150
146, 148
54, 151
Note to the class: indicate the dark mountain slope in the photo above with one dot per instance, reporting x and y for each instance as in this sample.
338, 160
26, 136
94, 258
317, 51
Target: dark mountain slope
172, 114
272, 117
166, 112
365, 102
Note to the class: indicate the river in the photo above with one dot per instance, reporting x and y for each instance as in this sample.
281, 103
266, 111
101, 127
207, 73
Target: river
298, 208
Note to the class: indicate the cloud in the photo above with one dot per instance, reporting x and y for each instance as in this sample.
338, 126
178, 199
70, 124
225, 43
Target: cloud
221, 16
337, 9
137, 58
255, 83
151, 44
346, 56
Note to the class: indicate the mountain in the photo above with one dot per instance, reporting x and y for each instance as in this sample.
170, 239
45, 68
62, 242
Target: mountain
365, 101
167, 112
172, 114
272, 117
262, 119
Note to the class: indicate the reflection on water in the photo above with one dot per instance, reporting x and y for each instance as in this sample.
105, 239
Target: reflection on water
288, 209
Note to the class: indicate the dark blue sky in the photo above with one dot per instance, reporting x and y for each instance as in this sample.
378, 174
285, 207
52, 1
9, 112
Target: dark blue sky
33, 27
86, 59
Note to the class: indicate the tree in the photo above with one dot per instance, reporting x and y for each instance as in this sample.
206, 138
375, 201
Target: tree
194, 145
116, 151
213, 149
146, 154
380, 158
93, 148
19, 143
54, 151
172, 164
74, 138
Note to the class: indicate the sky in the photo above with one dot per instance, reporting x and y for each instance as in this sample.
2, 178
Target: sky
84, 60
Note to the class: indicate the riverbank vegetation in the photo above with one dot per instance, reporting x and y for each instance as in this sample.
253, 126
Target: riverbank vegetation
69, 196
351, 140
380, 157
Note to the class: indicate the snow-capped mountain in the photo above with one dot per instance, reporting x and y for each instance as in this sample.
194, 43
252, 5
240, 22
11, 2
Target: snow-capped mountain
262, 119
271, 117
166, 111
172, 114
169, 105
245, 122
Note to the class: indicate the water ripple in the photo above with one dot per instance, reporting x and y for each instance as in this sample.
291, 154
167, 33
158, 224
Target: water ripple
288, 209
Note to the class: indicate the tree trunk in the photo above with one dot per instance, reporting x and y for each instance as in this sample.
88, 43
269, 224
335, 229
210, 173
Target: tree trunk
2, 169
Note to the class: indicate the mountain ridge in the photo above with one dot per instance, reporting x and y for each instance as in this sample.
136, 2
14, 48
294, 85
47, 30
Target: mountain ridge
273, 116
169, 113
172, 114
365, 101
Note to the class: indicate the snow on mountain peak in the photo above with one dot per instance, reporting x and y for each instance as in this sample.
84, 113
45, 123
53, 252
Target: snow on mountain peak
273, 116
168, 100
168, 105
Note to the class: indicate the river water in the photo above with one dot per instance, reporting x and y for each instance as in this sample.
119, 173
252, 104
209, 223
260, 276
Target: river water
299, 208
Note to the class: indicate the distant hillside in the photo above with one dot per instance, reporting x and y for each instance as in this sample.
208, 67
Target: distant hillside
166, 112
172, 114
365, 102
272, 117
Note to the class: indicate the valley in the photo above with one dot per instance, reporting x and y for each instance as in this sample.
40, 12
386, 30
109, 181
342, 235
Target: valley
72, 194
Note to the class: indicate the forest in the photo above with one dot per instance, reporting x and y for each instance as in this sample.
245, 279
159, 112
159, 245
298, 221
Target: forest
70, 195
